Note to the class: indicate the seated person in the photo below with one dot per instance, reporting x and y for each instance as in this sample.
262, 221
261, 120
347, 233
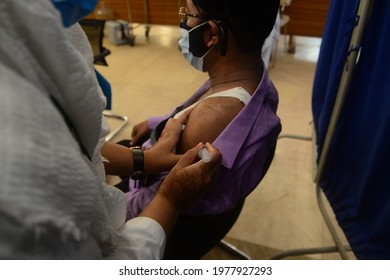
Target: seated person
235, 109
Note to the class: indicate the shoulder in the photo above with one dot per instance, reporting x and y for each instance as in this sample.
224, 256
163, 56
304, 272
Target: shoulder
218, 109
208, 119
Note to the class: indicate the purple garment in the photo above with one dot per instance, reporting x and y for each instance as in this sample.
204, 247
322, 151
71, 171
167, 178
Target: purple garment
246, 144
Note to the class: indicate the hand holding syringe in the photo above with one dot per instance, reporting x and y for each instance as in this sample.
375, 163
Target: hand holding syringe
204, 154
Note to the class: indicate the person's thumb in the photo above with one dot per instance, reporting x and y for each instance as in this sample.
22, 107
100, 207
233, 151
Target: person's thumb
189, 157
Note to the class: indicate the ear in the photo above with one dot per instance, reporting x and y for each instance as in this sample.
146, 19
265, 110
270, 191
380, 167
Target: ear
214, 35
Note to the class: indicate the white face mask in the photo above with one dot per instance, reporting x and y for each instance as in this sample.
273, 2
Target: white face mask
184, 43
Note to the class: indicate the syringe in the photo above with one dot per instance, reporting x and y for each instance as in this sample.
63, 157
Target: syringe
204, 154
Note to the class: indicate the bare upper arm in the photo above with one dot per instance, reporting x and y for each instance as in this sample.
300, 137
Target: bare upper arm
207, 120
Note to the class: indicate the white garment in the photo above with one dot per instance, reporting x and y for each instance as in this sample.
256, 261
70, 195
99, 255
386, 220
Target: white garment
53, 202
237, 92
271, 42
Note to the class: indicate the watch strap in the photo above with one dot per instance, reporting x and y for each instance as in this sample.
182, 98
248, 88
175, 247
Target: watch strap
138, 163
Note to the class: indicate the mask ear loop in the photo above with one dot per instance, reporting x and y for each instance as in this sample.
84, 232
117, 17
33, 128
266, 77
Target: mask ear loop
224, 39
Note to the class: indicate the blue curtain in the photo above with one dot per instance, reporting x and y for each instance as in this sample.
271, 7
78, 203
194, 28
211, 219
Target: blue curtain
356, 179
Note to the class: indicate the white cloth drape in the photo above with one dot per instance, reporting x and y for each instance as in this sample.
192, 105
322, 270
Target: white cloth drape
52, 198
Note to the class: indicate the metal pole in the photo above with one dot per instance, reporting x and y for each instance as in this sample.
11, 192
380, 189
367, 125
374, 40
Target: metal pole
129, 11
147, 18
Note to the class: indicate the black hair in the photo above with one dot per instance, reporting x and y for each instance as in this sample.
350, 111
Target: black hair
250, 21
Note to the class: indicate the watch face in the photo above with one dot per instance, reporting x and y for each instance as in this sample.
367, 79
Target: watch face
137, 175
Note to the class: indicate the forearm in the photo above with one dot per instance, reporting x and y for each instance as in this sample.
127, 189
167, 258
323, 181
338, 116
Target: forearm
160, 157
163, 212
119, 159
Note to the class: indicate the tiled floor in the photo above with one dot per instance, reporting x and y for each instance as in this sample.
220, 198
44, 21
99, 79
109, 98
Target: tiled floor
282, 213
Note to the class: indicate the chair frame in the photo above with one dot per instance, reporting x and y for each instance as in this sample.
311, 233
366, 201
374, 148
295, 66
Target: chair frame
99, 51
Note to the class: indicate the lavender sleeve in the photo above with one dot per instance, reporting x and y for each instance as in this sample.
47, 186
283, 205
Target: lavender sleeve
154, 121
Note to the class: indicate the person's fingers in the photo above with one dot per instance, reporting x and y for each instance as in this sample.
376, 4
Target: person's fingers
176, 125
189, 157
172, 126
134, 139
184, 117
172, 131
139, 133
191, 177
215, 158
214, 152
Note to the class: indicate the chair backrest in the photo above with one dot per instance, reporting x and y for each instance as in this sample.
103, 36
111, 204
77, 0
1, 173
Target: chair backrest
94, 29
193, 237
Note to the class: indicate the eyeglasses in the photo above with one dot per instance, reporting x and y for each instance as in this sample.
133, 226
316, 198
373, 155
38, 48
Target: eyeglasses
184, 15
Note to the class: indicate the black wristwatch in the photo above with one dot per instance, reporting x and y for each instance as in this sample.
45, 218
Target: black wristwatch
138, 163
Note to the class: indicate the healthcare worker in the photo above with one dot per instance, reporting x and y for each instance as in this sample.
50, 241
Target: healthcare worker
54, 203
